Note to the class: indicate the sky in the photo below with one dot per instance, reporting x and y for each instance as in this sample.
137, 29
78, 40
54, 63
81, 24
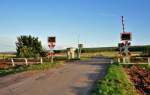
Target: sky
94, 23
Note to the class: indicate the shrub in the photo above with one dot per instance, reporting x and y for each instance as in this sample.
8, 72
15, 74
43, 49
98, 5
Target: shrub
28, 46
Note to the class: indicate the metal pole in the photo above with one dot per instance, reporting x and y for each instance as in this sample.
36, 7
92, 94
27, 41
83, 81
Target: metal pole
123, 25
51, 54
79, 52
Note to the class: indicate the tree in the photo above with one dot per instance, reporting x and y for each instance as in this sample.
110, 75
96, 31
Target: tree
147, 50
28, 46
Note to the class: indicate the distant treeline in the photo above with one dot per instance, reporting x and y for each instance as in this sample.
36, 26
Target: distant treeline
140, 48
102, 49
144, 48
89, 50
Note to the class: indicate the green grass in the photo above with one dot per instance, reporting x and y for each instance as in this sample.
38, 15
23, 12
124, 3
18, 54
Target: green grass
116, 82
85, 58
146, 66
89, 55
60, 58
43, 66
12, 70
17, 69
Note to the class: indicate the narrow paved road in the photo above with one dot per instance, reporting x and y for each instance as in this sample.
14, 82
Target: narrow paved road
71, 79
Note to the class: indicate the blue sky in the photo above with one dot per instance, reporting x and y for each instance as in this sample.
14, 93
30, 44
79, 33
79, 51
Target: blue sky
96, 23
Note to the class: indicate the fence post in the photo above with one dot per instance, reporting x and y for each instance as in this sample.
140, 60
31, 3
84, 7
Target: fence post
41, 60
111, 61
13, 64
124, 60
118, 60
148, 61
26, 61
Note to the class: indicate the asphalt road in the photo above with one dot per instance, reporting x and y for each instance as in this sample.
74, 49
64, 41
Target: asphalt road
75, 78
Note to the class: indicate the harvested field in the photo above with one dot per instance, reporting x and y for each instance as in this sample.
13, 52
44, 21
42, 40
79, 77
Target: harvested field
140, 76
4, 66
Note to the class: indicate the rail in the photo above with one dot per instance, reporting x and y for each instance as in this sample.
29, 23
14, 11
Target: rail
134, 60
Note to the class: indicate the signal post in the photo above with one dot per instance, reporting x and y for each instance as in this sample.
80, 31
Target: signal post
126, 38
80, 46
51, 45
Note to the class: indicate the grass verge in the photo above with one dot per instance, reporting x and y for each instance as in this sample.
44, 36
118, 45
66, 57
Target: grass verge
116, 82
17, 69
145, 66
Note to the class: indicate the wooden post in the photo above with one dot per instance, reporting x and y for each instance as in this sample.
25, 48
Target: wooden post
128, 59
111, 61
26, 61
118, 60
124, 60
41, 60
52, 58
148, 61
13, 64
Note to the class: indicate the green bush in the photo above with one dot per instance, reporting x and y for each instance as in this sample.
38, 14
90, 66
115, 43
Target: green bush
28, 46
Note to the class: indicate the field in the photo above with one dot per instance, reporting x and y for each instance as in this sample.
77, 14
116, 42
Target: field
112, 54
5, 56
140, 76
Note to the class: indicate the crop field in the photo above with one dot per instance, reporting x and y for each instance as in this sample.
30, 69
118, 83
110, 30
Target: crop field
140, 76
5, 56
111, 54
108, 54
